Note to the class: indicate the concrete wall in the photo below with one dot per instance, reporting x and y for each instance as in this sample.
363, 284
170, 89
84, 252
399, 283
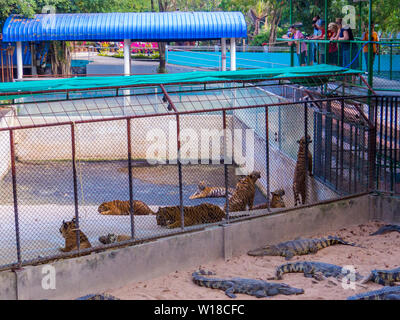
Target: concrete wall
113, 268
387, 207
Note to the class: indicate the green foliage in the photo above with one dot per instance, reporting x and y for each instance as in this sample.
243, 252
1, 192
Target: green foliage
386, 13
259, 39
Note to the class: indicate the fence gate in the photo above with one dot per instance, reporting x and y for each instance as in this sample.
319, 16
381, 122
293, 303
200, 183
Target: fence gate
341, 145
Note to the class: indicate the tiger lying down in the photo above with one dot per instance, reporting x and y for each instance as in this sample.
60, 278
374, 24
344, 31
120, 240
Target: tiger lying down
170, 217
119, 207
205, 191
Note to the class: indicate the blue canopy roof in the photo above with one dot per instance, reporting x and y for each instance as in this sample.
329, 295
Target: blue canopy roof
149, 26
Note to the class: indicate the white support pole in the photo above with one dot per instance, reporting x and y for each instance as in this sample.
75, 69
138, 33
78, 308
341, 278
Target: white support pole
223, 54
233, 54
127, 71
127, 57
20, 66
33, 60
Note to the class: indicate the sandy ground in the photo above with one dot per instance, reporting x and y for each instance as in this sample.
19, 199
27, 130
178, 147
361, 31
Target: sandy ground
380, 252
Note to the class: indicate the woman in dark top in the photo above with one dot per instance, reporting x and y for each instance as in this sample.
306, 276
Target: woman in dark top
349, 50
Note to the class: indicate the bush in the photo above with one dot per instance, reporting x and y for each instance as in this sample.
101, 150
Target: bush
259, 39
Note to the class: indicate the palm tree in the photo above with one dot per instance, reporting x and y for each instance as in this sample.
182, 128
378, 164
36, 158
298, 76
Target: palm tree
258, 13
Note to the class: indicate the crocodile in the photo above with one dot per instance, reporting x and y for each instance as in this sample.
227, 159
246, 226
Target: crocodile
386, 228
386, 293
384, 277
257, 288
298, 247
98, 297
317, 270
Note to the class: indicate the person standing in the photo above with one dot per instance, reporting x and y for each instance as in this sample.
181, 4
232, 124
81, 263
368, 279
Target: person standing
321, 36
312, 54
374, 38
315, 47
345, 34
333, 48
301, 47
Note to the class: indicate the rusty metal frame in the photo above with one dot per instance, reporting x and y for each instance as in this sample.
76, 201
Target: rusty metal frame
175, 112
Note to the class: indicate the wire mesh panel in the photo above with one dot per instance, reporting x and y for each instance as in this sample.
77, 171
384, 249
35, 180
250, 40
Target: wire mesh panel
341, 145
44, 176
387, 123
8, 247
155, 161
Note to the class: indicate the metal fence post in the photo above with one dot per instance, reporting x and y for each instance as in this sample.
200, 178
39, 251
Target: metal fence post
131, 205
306, 135
180, 172
14, 184
225, 167
371, 147
267, 157
75, 185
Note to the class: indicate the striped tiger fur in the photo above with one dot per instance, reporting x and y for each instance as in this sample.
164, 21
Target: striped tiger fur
112, 238
244, 193
210, 192
299, 179
276, 201
119, 207
68, 230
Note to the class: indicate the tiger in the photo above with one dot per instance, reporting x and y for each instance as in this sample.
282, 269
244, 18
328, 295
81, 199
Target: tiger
299, 179
170, 217
68, 230
210, 192
112, 238
244, 193
276, 201
119, 207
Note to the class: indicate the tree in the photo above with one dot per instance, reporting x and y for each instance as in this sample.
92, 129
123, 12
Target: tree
163, 6
273, 18
258, 13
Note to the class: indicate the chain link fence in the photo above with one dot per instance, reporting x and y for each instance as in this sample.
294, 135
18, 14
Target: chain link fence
113, 171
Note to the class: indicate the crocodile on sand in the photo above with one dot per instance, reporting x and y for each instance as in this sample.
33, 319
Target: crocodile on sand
317, 270
386, 228
98, 297
384, 277
257, 288
298, 247
386, 293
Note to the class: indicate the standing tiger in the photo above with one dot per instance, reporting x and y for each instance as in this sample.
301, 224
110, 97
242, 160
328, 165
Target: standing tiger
68, 230
119, 207
210, 192
299, 179
244, 193
203, 213
276, 201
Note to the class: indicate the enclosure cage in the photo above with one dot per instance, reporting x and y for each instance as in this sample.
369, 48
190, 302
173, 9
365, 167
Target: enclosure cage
67, 151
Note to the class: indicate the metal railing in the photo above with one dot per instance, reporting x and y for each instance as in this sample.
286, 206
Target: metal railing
353, 54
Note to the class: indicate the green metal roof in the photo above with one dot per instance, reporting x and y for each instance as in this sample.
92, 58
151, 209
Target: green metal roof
308, 75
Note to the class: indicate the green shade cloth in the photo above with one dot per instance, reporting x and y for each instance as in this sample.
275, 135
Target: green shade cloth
308, 75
